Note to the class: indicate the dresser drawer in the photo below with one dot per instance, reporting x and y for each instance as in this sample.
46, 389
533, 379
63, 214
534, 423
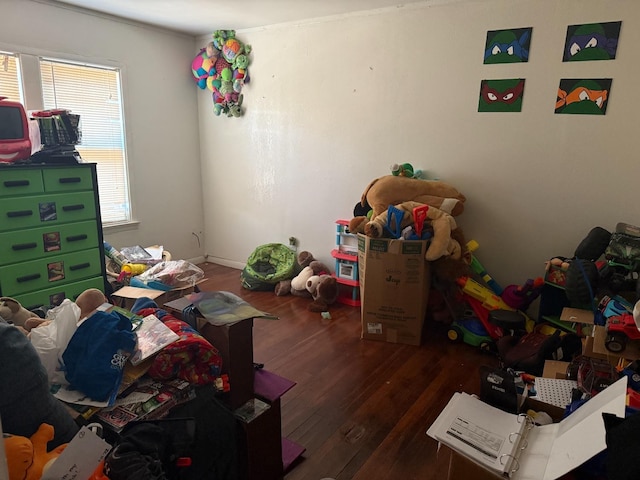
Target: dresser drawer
34, 211
42, 242
55, 295
35, 275
17, 181
71, 179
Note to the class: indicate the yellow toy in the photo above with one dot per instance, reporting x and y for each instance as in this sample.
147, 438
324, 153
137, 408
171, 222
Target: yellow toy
27, 458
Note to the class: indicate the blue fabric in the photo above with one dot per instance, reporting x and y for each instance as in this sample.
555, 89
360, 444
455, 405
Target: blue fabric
143, 302
96, 355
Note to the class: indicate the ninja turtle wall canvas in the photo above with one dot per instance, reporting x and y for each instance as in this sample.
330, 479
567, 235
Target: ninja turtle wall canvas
507, 46
592, 41
503, 95
583, 97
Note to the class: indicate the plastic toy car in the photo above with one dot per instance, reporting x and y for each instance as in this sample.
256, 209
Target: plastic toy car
472, 332
621, 329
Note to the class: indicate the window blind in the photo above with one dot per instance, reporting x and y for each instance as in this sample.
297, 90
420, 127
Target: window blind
93, 92
9, 79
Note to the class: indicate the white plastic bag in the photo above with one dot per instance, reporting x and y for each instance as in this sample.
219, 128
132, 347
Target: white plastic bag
50, 341
171, 274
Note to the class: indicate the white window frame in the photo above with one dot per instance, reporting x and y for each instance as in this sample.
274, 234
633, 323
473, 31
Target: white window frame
31, 89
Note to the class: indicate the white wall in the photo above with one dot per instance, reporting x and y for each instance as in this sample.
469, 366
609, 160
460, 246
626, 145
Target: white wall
160, 110
331, 104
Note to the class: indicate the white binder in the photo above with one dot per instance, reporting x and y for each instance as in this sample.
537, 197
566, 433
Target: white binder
512, 446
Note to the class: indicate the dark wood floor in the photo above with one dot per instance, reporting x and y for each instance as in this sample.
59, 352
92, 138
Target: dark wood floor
360, 408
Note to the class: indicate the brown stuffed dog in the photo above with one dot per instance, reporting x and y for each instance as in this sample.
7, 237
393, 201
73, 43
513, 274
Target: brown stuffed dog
298, 285
324, 290
392, 190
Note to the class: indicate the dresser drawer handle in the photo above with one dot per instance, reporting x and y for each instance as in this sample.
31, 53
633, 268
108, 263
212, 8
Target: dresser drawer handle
70, 208
70, 180
75, 238
24, 246
80, 266
20, 213
28, 278
16, 183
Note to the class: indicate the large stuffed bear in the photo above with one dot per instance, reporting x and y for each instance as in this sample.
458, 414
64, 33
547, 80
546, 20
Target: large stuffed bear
392, 190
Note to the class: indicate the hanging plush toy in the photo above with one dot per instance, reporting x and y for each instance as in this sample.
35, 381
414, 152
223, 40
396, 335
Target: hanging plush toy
222, 67
202, 66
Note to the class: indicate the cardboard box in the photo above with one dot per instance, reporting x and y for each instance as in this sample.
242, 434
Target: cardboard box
555, 369
394, 289
581, 320
126, 296
594, 347
235, 345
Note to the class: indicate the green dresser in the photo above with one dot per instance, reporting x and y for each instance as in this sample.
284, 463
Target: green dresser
50, 233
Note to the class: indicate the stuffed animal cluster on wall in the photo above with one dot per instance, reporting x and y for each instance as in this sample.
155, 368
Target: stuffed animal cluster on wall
222, 67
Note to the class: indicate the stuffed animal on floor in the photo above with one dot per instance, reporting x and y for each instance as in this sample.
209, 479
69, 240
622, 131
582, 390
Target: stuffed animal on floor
324, 290
392, 190
27, 458
298, 284
13, 312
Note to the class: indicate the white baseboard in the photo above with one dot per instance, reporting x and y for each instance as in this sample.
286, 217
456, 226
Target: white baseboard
224, 262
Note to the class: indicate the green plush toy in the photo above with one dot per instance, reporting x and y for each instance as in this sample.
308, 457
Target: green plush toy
406, 170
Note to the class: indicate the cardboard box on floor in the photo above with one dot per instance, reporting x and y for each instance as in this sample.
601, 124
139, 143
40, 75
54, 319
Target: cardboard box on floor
594, 342
126, 296
394, 289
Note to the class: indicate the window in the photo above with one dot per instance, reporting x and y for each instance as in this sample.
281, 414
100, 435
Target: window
94, 93
9, 80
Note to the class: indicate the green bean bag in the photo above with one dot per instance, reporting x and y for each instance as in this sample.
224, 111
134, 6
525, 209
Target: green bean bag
267, 265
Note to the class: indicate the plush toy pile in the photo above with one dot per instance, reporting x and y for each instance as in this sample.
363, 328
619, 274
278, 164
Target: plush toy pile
447, 248
222, 67
314, 281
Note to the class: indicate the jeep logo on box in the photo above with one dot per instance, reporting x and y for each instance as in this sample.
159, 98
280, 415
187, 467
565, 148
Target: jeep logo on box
392, 279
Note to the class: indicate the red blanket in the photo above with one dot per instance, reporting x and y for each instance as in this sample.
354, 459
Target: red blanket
191, 358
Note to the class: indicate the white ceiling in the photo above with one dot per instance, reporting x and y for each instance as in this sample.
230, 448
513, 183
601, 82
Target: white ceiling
202, 17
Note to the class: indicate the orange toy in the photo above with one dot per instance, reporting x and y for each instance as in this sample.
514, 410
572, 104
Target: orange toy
27, 457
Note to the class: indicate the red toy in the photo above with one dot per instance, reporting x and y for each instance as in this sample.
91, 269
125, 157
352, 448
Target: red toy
15, 144
620, 329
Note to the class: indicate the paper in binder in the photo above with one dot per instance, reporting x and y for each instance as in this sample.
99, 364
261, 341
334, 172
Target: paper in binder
510, 445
